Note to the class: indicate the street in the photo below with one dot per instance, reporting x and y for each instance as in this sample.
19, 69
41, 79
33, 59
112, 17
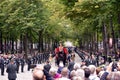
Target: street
27, 75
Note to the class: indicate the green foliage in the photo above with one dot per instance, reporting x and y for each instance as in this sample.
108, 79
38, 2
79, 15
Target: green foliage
20, 16
57, 19
69, 3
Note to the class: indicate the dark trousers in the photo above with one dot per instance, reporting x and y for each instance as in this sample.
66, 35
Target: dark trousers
22, 68
17, 68
61, 60
2, 70
12, 79
39, 61
28, 67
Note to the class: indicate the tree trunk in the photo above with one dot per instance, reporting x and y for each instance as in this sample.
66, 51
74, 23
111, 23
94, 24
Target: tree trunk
1, 42
96, 41
49, 44
113, 36
119, 24
25, 43
42, 43
6, 45
105, 41
93, 42
16, 46
31, 47
12, 44
118, 44
40, 46
80, 43
54, 44
45, 43
21, 43
31, 43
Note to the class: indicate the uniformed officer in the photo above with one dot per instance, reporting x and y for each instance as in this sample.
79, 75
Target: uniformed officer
29, 62
2, 65
17, 61
22, 61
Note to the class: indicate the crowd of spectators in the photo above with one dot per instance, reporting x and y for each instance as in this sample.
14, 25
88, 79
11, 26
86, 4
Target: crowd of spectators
86, 69
78, 71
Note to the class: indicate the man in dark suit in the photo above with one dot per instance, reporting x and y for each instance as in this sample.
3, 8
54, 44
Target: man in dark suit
11, 70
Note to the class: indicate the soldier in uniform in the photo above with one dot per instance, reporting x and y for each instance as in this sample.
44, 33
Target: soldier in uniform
22, 60
2, 65
39, 58
17, 61
29, 62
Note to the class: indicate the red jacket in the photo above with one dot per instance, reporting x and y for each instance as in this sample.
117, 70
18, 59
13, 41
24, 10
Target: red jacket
57, 51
